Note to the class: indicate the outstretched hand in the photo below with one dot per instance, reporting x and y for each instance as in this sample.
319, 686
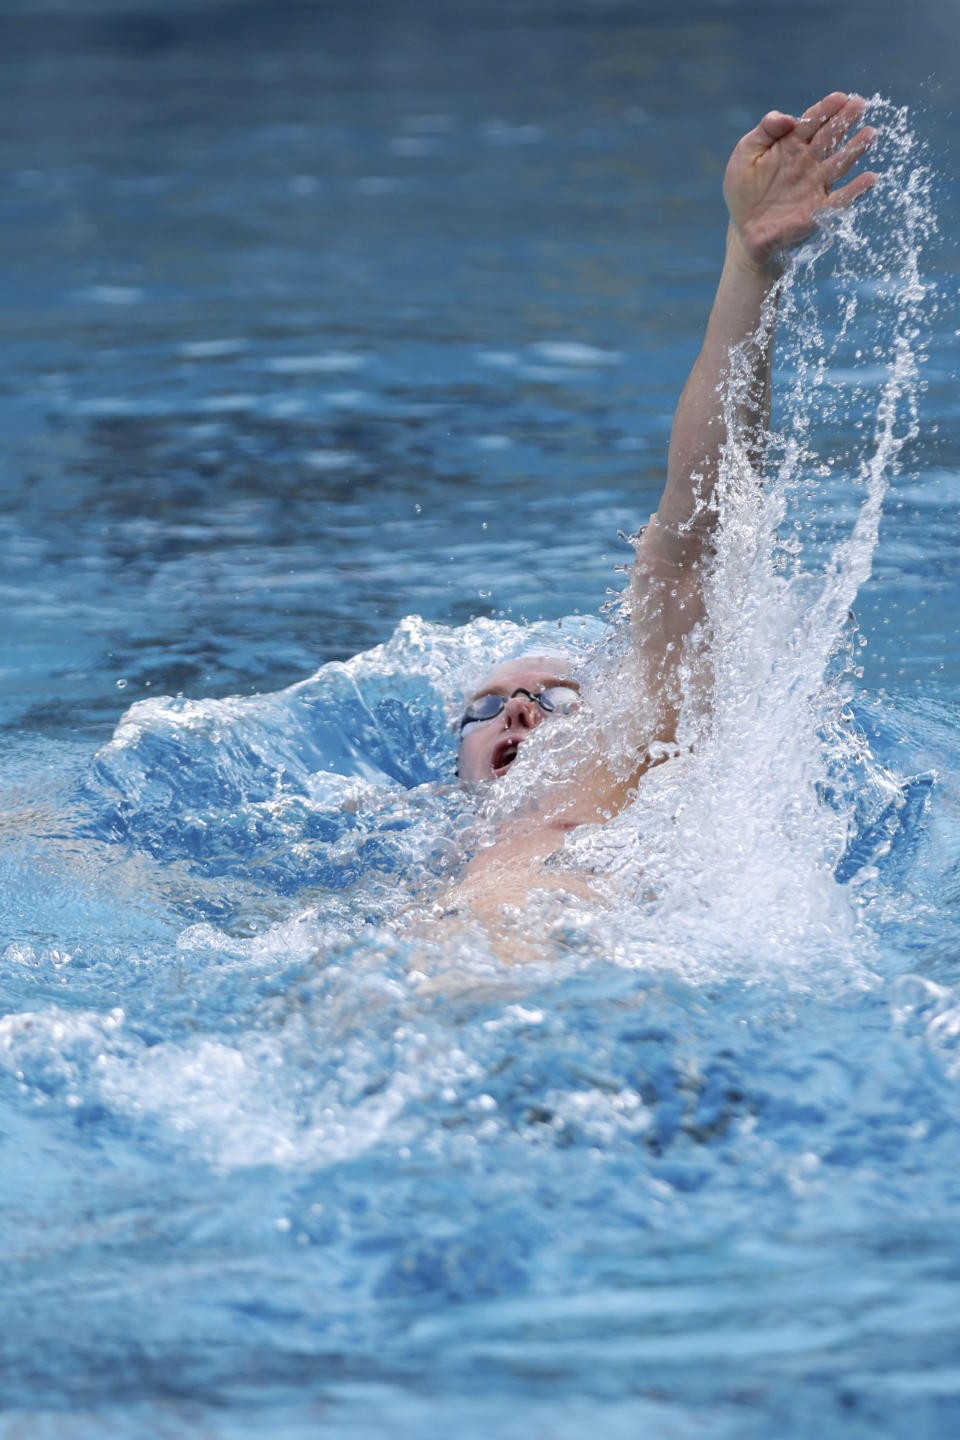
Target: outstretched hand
784, 171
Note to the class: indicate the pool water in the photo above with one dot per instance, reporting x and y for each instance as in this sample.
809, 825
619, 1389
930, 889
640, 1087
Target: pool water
341, 348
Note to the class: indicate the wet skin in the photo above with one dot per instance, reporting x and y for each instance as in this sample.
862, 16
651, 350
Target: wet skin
489, 747
501, 875
781, 175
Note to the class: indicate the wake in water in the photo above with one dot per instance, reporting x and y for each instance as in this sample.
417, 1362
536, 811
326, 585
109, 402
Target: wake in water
752, 850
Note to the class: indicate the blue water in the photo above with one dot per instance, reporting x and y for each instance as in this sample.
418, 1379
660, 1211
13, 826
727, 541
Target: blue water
340, 346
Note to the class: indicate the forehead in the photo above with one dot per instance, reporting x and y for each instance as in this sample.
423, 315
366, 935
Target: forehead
525, 670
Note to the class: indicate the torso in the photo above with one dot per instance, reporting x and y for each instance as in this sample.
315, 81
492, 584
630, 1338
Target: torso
503, 873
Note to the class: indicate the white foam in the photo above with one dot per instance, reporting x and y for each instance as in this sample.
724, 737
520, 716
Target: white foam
574, 352
330, 459
212, 349
498, 359
493, 442
347, 399
112, 294
330, 362
506, 132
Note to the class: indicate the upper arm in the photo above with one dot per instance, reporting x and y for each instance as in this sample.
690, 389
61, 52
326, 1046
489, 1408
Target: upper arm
666, 600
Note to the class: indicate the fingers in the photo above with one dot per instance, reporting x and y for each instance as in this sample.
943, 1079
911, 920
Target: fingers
828, 137
846, 195
818, 115
822, 127
772, 128
840, 162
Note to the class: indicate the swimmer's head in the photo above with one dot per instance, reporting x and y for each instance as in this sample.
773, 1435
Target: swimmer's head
506, 708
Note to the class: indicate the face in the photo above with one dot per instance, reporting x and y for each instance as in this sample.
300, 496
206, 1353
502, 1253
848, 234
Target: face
489, 747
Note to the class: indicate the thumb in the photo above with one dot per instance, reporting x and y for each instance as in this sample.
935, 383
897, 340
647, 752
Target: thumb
772, 128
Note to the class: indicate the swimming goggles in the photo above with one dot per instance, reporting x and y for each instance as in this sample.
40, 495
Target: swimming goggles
554, 700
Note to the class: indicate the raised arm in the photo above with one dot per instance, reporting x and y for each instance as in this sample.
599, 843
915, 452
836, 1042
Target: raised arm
778, 177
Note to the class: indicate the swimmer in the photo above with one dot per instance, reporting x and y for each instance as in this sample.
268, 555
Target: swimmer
779, 177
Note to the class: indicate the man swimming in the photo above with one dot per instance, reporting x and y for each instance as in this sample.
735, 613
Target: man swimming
779, 177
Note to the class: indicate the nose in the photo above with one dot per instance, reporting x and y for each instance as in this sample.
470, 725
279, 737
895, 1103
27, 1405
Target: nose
522, 713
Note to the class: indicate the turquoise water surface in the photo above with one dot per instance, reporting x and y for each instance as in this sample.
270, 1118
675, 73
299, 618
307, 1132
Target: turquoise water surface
342, 344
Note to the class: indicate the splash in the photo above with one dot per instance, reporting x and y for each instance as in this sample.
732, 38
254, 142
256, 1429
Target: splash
743, 856
735, 843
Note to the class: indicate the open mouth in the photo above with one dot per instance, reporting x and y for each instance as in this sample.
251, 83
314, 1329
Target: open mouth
504, 754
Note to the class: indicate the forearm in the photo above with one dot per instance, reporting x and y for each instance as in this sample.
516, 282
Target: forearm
714, 399
728, 389
779, 177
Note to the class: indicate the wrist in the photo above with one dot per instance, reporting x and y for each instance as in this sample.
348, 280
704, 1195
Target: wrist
764, 268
